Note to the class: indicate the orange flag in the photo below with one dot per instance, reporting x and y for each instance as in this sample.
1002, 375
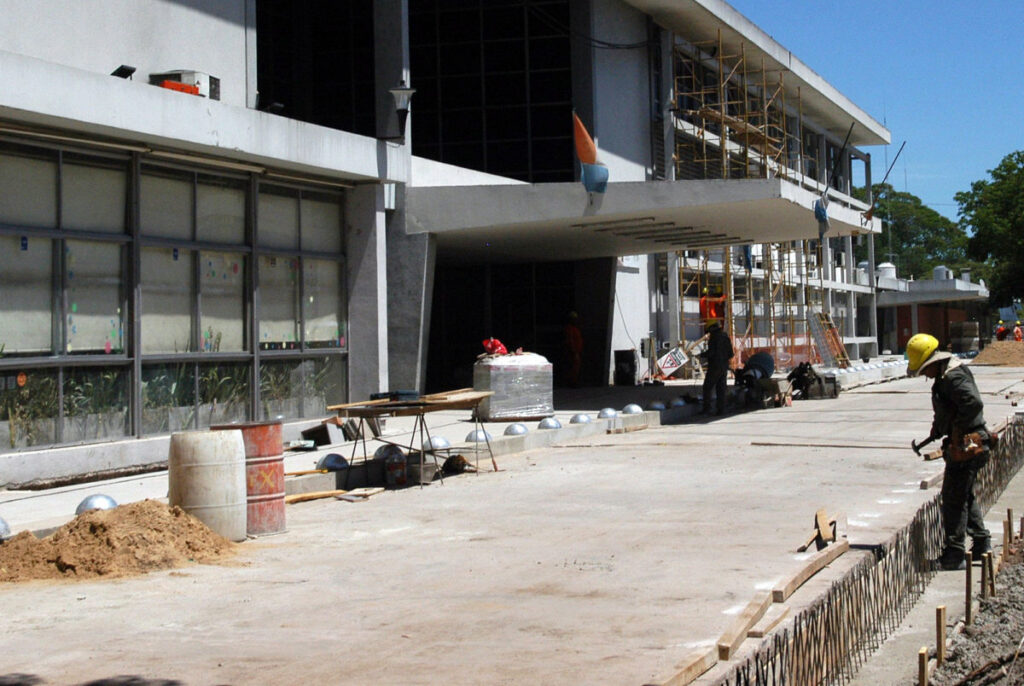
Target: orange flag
585, 148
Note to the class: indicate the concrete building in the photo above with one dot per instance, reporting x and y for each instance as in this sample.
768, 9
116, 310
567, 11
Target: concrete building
212, 211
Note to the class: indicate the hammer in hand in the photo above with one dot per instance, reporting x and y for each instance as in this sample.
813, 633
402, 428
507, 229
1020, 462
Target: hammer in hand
917, 446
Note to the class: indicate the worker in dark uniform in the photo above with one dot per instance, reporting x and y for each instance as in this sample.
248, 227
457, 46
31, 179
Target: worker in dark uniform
716, 376
958, 419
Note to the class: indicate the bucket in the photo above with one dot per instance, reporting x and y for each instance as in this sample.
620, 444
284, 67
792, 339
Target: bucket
264, 476
395, 470
206, 478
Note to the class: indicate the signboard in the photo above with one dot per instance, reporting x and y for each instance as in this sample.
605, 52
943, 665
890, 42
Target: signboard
672, 360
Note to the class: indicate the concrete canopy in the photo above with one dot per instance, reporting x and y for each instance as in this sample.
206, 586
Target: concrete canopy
561, 221
701, 20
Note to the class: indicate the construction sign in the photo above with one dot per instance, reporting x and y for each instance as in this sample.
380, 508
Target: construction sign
672, 360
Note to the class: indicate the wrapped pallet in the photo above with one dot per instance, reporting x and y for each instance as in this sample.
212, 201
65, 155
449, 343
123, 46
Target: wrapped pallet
521, 383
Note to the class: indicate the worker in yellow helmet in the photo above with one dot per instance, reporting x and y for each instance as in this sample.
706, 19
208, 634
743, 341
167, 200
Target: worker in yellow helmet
1001, 331
958, 418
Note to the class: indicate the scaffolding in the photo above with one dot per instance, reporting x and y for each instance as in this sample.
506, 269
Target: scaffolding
732, 121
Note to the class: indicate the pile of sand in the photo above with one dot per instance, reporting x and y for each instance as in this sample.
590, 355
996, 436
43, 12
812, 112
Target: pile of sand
127, 540
1002, 354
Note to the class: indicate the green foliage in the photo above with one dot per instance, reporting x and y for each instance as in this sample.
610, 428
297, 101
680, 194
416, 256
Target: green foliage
993, 211
917, 239
28, 408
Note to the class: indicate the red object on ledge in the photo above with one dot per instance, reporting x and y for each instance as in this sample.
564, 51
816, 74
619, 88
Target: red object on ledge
179, 86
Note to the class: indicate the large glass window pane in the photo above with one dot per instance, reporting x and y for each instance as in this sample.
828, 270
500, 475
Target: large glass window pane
95, 403
28, 190
93, 272
168, 397
26, 295
220, 210
166, 300
221, 303
28, 408
223, 393
165, 205
280, 389
94, 198
321, 225
322, 304
279, 303
326, 384
278, 218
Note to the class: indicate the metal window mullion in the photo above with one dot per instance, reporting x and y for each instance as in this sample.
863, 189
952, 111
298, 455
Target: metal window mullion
133, 297
301, 312
253, 292
196, 292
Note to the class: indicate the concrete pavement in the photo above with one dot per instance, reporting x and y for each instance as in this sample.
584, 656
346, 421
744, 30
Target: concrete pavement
602, 558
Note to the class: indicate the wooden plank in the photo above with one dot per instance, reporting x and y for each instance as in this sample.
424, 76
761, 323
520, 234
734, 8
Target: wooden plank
689, 668
312, 495
771, 619
361, 403
932, 481
815, 564
821, 521
304, 472
734, 635
366, 491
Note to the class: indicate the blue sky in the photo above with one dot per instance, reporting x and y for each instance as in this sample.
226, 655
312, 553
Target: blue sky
946, 76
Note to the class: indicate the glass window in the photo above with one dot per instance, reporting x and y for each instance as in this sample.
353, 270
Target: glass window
28, 408
221, 303
321, 225
95, 403
165, 205
93, 276
94, 198
326, 384
278, 218
220, 210
168, 397
166, 281
279, 303
28, 190
281, 389
321, 301
223, 393
26, 285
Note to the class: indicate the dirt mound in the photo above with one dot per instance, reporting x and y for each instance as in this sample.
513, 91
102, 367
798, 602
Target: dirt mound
130, 539
1002, 354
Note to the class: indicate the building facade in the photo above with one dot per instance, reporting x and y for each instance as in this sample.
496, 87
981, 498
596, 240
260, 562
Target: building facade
213, 211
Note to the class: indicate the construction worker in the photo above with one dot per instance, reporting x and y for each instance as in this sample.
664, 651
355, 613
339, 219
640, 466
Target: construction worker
711, 308
959, 420
1001, 331
573, 344
1018, 334
719, 352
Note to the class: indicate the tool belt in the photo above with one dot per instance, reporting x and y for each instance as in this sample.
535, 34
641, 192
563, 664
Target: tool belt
963, 447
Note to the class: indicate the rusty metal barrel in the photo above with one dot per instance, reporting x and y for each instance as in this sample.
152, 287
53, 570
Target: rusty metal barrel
264, 476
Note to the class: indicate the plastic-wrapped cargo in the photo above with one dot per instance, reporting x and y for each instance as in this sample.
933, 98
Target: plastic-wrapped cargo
522, 386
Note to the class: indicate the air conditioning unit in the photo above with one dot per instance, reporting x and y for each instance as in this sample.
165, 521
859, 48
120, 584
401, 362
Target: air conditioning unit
195, 82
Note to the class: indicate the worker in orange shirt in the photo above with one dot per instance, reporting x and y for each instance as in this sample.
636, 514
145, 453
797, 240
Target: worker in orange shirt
711, 308
573, 349
1018, 334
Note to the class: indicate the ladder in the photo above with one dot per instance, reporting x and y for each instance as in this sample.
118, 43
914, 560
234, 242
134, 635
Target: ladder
826, 337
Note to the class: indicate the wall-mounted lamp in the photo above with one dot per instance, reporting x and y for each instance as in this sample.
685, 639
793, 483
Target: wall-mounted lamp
402, 95
125, 71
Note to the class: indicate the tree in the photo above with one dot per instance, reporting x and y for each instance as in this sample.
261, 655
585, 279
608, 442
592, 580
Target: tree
993, 212
916, 238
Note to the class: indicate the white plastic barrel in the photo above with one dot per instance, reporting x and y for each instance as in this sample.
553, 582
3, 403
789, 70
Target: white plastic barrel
206, 478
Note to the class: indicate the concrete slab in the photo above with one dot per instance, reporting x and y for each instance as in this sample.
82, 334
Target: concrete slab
604, 558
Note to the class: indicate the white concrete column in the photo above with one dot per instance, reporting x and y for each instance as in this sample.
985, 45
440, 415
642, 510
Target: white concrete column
874, 286
366, 259
674, 305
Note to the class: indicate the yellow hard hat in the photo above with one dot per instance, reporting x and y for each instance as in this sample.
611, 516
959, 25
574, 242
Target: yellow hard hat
1000, 321
920, 348
1018, 322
